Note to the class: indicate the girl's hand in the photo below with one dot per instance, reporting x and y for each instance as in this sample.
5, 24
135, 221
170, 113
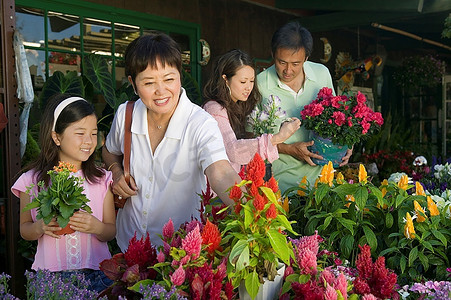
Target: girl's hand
85, 222
50, 228
287, 129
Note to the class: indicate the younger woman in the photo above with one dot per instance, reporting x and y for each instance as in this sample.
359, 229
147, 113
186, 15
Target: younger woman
69, 133
231, 95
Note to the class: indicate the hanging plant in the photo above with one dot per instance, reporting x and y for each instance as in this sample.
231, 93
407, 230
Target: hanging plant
420, 71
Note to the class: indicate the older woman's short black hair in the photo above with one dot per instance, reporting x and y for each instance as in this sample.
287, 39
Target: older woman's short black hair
149, 49
294, 37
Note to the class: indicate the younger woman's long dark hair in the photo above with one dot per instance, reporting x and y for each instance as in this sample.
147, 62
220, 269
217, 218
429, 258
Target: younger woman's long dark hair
216, 89
49, 155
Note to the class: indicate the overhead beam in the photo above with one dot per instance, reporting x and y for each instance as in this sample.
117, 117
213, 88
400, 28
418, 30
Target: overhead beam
358, 5
349, 19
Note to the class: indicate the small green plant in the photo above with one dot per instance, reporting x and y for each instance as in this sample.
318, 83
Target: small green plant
61, 198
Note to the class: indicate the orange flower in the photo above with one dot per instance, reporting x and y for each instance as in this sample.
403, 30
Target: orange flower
419, 212
419, 189
285, 204
235, 193
409, 229
340, 178
65, 166
271, 212
255, 170
327, 174
272, 184
259, 202
403, 182
349, 198
211, 237
363, 176
383, 188
303, 185
432, 207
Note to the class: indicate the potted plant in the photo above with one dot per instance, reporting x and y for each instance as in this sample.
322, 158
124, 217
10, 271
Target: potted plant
61, 199
338, 122
255, 234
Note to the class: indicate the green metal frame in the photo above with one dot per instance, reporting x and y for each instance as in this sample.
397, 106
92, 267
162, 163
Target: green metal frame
84, 9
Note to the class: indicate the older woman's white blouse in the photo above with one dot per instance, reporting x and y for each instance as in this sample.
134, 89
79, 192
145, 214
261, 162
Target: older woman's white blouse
170, 179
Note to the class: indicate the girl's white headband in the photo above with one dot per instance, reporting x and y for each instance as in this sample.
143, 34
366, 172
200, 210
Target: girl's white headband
62, 106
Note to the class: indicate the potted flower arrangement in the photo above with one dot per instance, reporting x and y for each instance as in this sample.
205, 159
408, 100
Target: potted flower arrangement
254, 233
338, 122
63, 197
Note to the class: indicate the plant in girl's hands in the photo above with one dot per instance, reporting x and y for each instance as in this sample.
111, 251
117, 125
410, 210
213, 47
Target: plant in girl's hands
262, 119
61, 198
344, 119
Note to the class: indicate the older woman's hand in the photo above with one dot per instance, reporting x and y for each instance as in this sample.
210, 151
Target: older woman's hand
120, 186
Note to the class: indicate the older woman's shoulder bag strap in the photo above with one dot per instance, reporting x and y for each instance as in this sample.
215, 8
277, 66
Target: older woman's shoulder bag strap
119, 203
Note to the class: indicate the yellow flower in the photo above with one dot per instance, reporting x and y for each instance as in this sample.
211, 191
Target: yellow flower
403, 182
303, 185
409, 229
362, 174
419, 211
349, 198
432, 207
340, 178
327, 174
383, 187
419, 189
285, 204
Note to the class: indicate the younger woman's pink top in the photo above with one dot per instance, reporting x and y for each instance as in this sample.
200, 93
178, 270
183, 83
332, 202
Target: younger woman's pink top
241, 151
72, 251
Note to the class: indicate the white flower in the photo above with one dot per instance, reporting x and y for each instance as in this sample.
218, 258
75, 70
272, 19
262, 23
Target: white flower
395, 177
439, 168
280, 113
263, 116
420, 161
275, 100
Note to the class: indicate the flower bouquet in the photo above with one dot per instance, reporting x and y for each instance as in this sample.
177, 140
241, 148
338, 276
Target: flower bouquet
262, 119
62, 198
338, 120
254, 232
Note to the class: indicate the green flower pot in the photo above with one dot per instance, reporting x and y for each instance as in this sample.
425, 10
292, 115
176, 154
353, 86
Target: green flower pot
328, 150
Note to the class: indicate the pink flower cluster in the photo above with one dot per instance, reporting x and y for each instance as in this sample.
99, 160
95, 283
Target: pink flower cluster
332, 116
322, 284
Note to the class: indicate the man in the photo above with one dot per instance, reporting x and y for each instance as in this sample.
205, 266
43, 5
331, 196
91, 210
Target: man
296, 82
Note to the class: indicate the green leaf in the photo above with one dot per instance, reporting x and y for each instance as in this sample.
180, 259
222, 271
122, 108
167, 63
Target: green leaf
348, 224
304, 278
279, 244
370, 237
388, 220
269, 194
96, 70
243, 259
248, 216
237, 250
427, 245
424, 260
345, 189
285, 223
59, 83
403, 263
321, 192
325, 224
361, 196
346, 245
399, 200
388, 250
413, 255
252, 284
31, 205
440, 236
376, 192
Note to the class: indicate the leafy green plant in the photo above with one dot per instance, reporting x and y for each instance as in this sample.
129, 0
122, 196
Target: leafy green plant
352, 214
62, 198
254, 232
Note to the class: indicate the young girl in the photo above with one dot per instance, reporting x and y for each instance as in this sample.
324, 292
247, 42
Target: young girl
69, 133
231, 95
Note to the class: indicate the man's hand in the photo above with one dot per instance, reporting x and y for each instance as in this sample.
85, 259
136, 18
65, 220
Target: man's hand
299, 151
346, 158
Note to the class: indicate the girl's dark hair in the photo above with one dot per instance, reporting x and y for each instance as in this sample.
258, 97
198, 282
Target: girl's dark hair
294, 37
49, 155
216, 89
149, 49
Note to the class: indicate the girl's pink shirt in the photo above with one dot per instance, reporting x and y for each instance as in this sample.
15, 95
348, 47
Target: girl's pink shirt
240, 151
72, 251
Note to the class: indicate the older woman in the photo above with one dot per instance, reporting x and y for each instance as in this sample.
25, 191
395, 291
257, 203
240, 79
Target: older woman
175, 144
